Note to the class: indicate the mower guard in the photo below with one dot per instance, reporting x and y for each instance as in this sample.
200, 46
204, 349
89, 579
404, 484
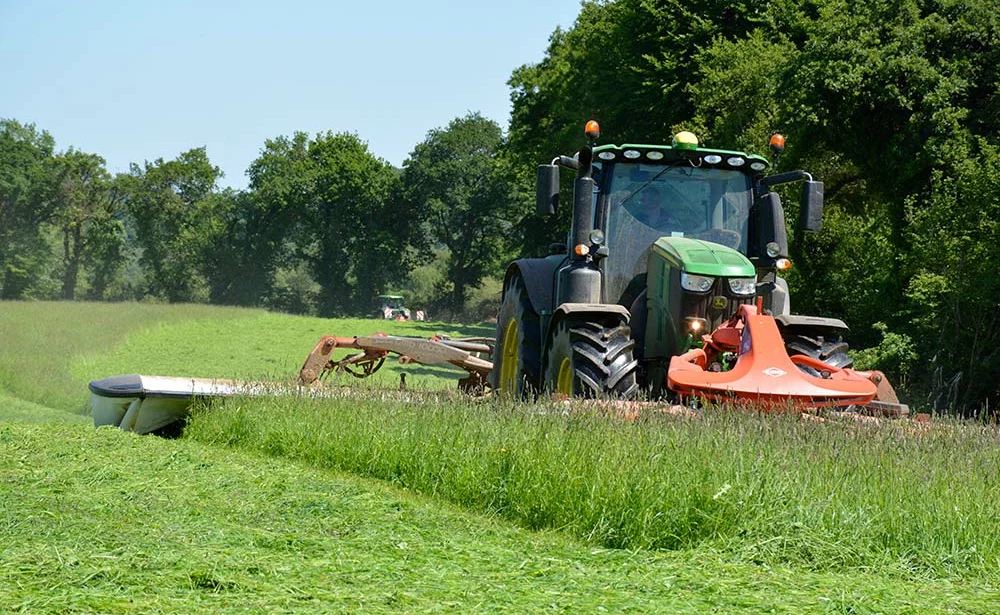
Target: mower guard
764, 374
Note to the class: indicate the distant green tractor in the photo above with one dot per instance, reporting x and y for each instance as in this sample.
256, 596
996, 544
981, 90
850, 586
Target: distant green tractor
391, 307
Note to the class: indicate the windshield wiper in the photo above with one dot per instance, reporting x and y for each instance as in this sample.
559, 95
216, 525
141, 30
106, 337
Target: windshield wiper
672, 165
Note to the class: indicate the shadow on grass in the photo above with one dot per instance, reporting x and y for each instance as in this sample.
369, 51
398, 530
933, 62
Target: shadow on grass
431, 370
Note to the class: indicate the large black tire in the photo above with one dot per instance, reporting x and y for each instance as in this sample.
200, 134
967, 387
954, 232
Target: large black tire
591, 359
826, 345
517, 357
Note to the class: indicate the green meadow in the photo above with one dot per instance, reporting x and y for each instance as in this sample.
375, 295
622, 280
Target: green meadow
425, 501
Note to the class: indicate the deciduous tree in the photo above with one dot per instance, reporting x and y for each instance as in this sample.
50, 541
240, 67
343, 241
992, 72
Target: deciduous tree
163, 199
86, 214
26, 203
359, 238
456, 182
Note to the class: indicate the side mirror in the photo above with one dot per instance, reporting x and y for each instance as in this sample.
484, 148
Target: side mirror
771, 225
547, 189
811, 209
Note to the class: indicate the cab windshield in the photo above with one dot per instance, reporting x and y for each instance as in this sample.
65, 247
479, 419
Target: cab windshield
646, 202
392, 301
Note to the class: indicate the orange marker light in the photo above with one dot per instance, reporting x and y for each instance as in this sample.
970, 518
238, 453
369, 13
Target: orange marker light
592, 130
581, 249
777, 143
783, 264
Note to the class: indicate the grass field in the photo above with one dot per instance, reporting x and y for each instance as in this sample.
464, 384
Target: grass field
384, 505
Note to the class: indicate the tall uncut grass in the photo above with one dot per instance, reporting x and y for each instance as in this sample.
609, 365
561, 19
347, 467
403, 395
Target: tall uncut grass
769, 489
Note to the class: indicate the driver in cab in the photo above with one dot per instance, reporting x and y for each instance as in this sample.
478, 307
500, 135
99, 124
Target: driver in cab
653, 210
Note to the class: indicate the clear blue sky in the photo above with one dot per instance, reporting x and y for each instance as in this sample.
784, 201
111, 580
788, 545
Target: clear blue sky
141, 80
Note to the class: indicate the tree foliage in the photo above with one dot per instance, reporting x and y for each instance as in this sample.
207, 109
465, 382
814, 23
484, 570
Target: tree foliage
330, 204
163, 199
27, 186
457, 184
87, 218
351, 219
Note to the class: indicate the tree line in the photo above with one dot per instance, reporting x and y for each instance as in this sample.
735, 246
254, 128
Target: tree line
323, 227
894, 104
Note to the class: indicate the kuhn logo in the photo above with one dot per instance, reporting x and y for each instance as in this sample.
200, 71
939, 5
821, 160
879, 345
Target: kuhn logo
774, 372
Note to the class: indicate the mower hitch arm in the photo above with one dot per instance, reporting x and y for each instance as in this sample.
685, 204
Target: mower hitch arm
435, 350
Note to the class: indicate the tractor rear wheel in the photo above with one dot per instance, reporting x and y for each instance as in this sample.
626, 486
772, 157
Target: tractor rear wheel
518, 352
827, 346
590, 359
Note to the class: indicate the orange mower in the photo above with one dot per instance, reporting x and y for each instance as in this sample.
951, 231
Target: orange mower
763, 374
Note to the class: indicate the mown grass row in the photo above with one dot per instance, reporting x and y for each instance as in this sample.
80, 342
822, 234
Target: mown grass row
49, 351
766, 489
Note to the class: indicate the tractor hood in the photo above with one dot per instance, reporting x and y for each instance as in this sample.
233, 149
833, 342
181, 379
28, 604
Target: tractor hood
703, 257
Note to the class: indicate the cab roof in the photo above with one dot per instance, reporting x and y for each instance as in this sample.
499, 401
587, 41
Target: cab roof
665, 154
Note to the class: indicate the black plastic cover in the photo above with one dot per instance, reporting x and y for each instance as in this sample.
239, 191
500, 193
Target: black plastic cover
811, 213
129, 385
547, 189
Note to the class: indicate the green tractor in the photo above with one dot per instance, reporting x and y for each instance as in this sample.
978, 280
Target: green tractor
667, 243
391, 307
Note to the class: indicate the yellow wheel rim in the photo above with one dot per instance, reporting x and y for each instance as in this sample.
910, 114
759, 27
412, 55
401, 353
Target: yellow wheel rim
564, 381
510, 358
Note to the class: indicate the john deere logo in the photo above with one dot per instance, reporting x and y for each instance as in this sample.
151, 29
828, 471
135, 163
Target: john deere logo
719, 303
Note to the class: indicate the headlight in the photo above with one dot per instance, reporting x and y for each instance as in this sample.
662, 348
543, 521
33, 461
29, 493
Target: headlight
743, 286
696, 283
695, 325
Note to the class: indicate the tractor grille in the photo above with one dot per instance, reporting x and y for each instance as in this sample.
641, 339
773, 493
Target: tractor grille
706, 305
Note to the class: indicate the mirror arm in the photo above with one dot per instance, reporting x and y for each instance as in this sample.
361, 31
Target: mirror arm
566, 161
783, 178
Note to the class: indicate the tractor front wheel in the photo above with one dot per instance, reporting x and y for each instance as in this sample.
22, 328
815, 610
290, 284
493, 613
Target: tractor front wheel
827, 346
590, 359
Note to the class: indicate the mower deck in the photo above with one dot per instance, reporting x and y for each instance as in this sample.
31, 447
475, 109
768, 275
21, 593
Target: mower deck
764, 374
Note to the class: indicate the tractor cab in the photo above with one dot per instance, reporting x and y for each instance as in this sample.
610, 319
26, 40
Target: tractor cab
706, 211
647, 192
